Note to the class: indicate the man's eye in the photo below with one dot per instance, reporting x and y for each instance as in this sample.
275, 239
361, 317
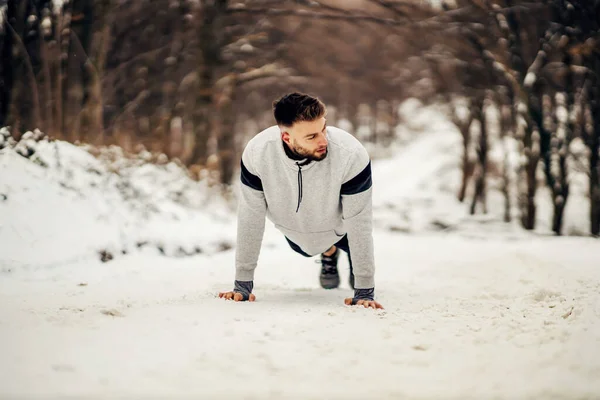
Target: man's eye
312, 137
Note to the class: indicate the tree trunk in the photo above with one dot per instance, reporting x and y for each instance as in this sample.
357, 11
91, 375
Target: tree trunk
560, 189
506, 131
528, 208
529, 135
593, 143
75, 90
537, 145
354, 117
553, 148
557, 218
526, 133
24, 105
97, 36
560, 151
60, 68
46, 84
224, 129
595, 176
506, 184
385, 108
467, 165
529, 138
6, 62
394, 120
482, 150
92, 130
210, 36
374, 117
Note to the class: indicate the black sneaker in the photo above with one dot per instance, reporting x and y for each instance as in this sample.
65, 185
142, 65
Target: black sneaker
330, 278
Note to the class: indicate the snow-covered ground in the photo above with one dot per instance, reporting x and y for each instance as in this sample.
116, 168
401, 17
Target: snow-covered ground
63, 205
474, 308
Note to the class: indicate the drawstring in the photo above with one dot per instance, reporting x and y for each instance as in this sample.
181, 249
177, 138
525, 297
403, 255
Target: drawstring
300, 165
299, 185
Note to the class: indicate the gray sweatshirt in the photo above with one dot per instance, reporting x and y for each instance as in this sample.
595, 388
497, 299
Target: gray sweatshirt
314, 204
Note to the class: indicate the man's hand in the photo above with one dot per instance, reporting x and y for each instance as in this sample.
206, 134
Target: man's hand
364, 303
236, 296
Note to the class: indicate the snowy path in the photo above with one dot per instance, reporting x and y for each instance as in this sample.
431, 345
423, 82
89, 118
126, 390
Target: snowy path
474, 308
464, 319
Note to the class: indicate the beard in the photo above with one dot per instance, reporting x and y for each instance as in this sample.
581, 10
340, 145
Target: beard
311, 155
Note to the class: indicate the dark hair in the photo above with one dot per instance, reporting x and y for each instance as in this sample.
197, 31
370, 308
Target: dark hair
296, 107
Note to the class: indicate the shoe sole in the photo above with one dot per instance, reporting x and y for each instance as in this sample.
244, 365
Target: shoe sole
330, 283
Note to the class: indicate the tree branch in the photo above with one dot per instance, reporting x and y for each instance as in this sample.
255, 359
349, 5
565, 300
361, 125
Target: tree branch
315, 15
268, 70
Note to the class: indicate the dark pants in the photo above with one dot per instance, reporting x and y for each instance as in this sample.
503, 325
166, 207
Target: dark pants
342, 244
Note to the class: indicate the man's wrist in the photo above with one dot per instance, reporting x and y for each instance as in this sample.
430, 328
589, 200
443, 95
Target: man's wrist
364, 294
243, 287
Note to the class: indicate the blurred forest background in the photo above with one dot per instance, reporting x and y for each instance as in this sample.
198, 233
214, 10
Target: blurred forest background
195, 79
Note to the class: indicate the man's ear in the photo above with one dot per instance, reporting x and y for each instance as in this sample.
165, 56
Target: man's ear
285, 136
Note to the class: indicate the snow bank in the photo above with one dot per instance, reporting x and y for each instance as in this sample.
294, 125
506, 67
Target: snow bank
61, 204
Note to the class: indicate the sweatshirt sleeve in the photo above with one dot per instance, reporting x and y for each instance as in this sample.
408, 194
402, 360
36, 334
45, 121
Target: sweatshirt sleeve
356, 194
252, 210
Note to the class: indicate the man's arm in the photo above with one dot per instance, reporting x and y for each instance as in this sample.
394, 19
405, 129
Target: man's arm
252, 209
356, 193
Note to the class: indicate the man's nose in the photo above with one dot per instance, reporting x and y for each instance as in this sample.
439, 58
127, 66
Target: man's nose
322, 140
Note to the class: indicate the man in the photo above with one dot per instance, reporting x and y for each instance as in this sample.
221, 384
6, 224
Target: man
314, 183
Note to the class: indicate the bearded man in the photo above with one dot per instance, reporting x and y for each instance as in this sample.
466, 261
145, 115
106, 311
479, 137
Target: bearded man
313, 182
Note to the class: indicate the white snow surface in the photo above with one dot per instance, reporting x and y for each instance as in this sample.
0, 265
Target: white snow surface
78, 206
474, 308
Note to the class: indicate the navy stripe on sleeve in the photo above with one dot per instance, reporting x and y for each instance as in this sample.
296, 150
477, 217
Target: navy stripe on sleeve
359, 183
250, 180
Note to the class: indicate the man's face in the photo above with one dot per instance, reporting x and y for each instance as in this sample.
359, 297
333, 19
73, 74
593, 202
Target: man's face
307, 138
